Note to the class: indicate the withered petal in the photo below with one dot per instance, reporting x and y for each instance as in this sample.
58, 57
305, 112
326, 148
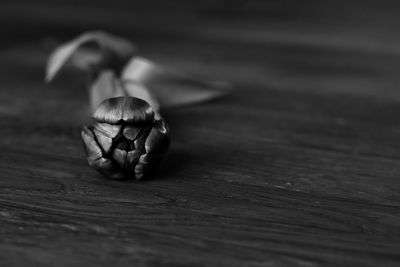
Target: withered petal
93, 151
132, 158
127, 109
111, 130
137, 110
95, 158
136, 159
103, 140
119, 156
158, 139
108, 168
131, 132
146, 165
110, 110
140, 168
141, 138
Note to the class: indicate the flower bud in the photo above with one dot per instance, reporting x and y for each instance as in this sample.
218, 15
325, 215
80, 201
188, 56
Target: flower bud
126, 141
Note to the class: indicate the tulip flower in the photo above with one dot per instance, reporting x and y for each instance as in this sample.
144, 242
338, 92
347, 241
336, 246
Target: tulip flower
126, 92
126, 141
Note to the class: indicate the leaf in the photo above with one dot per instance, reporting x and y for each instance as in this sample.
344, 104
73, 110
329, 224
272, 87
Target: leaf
110, 52
105, 86
140, 91
85, 58
108, 86
171, 88
105, 55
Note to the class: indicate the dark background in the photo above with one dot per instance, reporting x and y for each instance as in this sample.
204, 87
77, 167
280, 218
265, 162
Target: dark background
299, 166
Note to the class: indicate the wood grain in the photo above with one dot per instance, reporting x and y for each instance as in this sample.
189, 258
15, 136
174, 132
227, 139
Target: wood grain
298, 167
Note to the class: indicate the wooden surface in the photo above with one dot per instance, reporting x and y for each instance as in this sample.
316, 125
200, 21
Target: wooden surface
300, 166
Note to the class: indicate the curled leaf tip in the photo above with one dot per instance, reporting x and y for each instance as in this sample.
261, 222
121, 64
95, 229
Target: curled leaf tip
117, 71
170, 87
111, 51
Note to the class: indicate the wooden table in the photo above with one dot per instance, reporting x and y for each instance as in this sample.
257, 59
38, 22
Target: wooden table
299, 166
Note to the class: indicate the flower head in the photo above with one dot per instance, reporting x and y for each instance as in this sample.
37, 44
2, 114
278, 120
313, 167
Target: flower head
126, 141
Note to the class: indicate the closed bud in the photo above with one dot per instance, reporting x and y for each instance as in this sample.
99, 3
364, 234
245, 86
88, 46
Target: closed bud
127, 141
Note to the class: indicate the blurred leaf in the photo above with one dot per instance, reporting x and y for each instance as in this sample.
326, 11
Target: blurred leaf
85, 58
109, 52
105, 86
140, 91
105, 55
171, 88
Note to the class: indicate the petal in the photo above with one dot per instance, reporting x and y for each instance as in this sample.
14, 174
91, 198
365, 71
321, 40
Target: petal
131, 132
104, 141
108, 168
146, 165
158, 140
111, 130
110, 110
127, 109
119, 156
141, 138
137, 110
132, 159
156, 144
95, 158
93, 151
